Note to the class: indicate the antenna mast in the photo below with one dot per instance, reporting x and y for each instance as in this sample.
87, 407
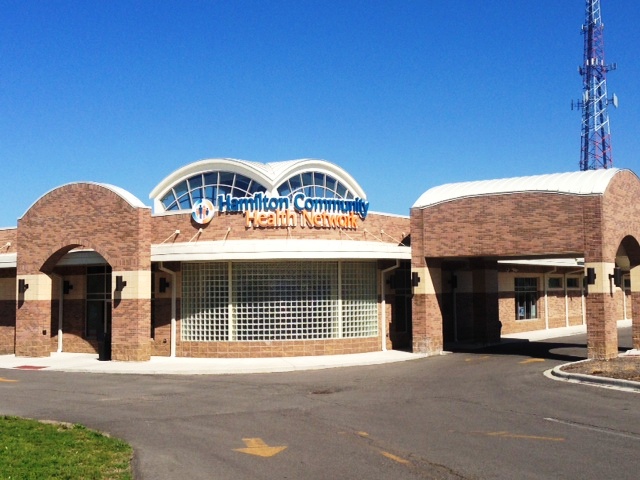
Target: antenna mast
595, 151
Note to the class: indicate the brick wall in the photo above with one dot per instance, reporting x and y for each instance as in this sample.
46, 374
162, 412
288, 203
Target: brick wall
232, 227
501, 226
89, 216
8, 235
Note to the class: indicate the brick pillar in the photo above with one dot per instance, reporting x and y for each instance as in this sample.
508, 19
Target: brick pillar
602, 325
486, 313
427, 314
131, 316
33, 316
635, 307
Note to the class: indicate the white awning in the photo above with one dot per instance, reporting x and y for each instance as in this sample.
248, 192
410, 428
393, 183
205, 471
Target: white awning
278, 250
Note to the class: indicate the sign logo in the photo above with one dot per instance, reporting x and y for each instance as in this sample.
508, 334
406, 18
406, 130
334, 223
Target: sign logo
202, 211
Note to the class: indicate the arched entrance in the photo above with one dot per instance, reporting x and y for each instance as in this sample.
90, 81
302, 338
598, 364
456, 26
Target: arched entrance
591, 216
109, 301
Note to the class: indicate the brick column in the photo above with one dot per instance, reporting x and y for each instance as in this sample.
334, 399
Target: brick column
131, 316
33, 316
427, 315
486, 313
602, 325
635, 307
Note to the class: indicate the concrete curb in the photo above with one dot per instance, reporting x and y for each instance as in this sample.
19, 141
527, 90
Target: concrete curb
88, 363
557, 373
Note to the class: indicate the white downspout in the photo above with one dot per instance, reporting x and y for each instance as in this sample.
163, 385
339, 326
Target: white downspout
384, 303
546, 297
566, 299
60, 310
174, 294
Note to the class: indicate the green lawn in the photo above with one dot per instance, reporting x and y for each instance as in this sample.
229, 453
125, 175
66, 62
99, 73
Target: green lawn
30, 449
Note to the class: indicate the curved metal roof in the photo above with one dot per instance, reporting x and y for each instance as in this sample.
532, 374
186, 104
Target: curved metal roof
590, 182
270, 175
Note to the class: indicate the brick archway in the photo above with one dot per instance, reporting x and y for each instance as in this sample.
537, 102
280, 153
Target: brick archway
92, 216
578, 215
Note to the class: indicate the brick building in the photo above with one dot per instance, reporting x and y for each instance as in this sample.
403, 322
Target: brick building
237, 259
244, 259
517, 254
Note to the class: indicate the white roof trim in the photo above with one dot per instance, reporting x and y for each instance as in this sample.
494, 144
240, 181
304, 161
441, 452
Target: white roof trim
591, 182
129, 197
277, 250
270, 175
8, 260
126, 195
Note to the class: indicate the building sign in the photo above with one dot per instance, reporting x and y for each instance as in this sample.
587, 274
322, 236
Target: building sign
264, 211
202, 211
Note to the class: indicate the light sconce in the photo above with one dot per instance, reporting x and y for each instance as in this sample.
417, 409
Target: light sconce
22, 286
164, 284
616, 276
415, 279
120, 284
591, 276
66, 287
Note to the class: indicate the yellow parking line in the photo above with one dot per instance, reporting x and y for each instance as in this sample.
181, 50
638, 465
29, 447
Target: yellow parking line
395, 458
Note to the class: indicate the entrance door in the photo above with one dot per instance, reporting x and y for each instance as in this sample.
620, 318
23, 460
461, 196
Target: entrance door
98, 321
400, 330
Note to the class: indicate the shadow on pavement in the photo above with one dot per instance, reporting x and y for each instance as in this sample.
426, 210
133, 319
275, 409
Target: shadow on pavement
564, 352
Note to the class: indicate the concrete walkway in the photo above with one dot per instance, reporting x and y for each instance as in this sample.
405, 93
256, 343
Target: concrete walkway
85, 362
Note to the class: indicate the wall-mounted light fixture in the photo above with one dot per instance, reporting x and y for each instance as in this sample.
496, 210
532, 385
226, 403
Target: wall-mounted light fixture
22, 286
164, 284
120, 284
591, 276
66, 287
415, 279
616, 276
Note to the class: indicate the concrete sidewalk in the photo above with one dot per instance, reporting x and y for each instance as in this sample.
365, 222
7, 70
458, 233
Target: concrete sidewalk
88, 362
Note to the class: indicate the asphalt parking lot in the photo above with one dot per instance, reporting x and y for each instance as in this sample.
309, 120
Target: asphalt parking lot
468, 415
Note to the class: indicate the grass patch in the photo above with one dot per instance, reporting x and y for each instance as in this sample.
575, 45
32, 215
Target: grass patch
30, 449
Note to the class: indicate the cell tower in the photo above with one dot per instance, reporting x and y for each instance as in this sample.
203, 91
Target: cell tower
596, 136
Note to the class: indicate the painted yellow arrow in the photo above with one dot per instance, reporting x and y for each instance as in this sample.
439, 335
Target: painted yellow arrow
256, 446
531, 360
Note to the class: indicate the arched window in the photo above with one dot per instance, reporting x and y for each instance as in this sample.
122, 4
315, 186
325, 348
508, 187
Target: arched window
209, 185
314, 184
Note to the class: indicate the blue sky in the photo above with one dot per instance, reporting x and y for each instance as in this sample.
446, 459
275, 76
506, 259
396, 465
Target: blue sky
404, 95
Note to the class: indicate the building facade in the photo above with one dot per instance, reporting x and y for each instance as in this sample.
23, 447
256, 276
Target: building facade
527, 253
238, 259
245, 259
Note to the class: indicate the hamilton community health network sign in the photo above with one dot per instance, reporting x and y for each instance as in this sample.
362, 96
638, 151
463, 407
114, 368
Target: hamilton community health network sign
281, 212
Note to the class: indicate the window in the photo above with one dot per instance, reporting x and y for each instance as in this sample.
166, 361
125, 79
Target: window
526, 293
573, 282
555, 282
209, 185
98, 313
265, 301
314, 184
